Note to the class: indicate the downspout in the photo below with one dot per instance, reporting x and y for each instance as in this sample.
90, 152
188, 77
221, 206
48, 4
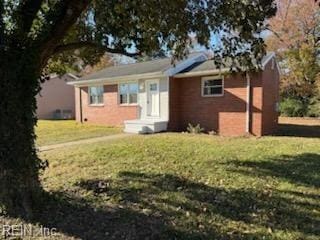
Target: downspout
248, 104
80, 104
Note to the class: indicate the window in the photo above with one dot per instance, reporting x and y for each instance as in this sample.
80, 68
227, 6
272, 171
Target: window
212, 86
96, 95
128, 93
153, 87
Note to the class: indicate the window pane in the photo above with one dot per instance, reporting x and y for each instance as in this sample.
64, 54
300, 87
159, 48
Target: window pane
216, 90
123, 98
205, 91
153, 87
133, 98
123, 88
212, 83
208, 83
133, 88
96, 95
217, 82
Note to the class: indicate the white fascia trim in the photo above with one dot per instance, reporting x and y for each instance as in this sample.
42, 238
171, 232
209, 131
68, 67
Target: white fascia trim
185, 64
272, 56
72, 76
115, 80
202, 73
265, 62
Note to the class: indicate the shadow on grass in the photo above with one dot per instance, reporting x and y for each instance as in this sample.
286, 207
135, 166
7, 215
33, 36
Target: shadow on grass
303, 169
293, 130
165, 206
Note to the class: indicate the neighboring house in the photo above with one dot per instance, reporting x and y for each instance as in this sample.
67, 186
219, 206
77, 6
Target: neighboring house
156, 96
56, 99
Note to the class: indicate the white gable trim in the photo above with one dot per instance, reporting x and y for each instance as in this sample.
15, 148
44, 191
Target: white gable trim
270, 58
266, 61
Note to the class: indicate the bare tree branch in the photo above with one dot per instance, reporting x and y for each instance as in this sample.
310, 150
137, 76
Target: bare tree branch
79, 45
59, 20
276, 34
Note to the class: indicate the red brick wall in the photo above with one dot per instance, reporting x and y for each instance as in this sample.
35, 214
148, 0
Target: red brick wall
270, 98
111, 113
226, 114
256, 104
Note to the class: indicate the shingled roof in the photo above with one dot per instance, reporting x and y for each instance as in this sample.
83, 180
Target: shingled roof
210, 65
159, 67
153, 66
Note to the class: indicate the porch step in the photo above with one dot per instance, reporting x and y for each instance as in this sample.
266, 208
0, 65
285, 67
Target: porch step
145, 126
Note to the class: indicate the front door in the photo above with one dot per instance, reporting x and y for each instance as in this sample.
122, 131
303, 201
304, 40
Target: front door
153, 103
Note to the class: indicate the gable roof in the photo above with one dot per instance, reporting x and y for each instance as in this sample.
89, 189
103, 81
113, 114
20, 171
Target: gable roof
209, 66
195, 64
154, 66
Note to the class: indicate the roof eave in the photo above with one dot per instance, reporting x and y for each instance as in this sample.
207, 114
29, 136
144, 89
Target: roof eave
202, 73
114, 80
266, 61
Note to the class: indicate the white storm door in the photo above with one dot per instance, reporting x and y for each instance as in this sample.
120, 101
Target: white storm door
153, 98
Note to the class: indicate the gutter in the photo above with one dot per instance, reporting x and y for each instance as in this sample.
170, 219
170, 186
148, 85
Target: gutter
115, 80
202, 73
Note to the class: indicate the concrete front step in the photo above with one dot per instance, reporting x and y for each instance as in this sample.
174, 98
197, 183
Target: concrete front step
145, 126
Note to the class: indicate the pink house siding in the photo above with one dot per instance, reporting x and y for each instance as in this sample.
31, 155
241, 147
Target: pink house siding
55, 94
111, 113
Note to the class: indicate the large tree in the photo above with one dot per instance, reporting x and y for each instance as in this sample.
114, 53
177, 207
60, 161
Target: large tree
296, 39
33, 32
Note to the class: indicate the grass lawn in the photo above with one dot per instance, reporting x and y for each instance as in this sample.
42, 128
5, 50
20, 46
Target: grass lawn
60, 131
181, 186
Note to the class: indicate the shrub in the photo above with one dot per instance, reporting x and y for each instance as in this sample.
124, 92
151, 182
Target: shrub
194, 129
314, 108
290, 107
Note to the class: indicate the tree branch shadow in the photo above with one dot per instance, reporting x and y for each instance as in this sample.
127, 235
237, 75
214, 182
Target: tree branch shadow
143, 210
300, 169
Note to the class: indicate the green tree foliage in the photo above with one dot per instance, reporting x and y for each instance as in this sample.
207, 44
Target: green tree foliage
296, 38
290, 107
35, 34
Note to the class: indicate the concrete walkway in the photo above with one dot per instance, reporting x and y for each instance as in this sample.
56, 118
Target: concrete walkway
83, 141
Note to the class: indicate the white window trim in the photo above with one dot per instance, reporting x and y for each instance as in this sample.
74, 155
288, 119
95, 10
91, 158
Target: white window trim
95, 104
203, 79
128, 104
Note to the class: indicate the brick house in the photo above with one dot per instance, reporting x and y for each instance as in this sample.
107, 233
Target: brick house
156, 96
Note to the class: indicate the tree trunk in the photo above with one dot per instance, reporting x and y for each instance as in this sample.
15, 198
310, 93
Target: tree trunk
19, 164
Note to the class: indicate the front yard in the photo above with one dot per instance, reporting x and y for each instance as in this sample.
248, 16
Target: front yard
53, 132
181, 186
